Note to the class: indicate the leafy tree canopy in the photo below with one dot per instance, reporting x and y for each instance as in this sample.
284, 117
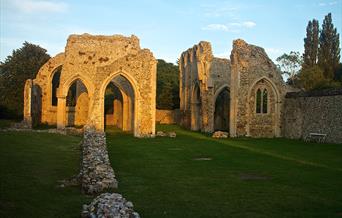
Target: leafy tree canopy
167, 85
23, 64
290, 64
329, 48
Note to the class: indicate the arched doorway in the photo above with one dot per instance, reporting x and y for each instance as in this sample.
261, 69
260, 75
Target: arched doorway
77, 104
196, 109
221, 114
119, 104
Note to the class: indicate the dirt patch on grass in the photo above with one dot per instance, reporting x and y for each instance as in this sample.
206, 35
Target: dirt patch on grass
203, 158
253, 176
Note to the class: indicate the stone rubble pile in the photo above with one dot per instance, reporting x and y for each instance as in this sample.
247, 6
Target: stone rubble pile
109, 205
220, 134
22, 125
96, 172
165, 134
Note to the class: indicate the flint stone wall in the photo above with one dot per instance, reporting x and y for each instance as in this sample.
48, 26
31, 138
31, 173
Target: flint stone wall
251, 69
313, 112
199, 69
109, 205
96, 172
167, 116
96, 61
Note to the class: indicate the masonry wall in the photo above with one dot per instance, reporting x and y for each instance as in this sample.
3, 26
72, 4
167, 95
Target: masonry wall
167, 116
252, 69
96, 61
202, 76
313, 112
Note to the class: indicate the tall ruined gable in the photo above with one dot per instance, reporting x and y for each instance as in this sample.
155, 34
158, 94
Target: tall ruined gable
250, 67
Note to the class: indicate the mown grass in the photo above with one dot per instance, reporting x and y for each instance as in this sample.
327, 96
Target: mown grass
191, 175
244, 178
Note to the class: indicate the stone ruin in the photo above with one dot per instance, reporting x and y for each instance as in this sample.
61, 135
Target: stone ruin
242, 96
109, 80
97, 81
203, 80
72, 87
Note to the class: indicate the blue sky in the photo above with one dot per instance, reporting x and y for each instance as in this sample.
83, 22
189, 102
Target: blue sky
165, 27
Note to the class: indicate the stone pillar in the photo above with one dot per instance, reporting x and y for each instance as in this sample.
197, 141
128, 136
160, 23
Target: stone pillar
125, 113
27, 103
61, 112
96, 172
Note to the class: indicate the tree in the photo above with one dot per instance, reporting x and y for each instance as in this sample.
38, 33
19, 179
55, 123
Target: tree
290, 65
23, 64
338, 74
167, 85
312, 77
311, 42
329, 48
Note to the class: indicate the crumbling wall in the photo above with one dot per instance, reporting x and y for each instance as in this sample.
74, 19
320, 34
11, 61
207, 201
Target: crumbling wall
200, 70
251, 68
44, 81
96, 61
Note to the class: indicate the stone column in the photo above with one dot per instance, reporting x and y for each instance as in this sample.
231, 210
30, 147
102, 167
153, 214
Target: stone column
61, 112
125, 113
27, 103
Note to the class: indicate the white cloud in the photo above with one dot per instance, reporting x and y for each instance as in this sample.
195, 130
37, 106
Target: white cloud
230, 27
31, 6
220, 27
323, 4
248, 24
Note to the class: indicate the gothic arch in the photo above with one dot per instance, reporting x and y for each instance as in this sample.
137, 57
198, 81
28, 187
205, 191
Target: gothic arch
77, 104
52, 93
221, 109
64, 86
134, 87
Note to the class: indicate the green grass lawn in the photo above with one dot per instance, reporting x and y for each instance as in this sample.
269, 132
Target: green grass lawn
191, 175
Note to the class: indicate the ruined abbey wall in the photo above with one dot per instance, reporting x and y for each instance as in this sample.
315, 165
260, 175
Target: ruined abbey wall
96, 61
243, 96
201, 76
252, 70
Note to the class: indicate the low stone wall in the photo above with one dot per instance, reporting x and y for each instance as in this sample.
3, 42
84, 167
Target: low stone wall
313, 112
109, 205
167, 116
96, 172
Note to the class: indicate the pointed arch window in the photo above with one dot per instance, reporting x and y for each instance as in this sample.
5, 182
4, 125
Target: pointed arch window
264, 101
55, 86
258, 102
261, 105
